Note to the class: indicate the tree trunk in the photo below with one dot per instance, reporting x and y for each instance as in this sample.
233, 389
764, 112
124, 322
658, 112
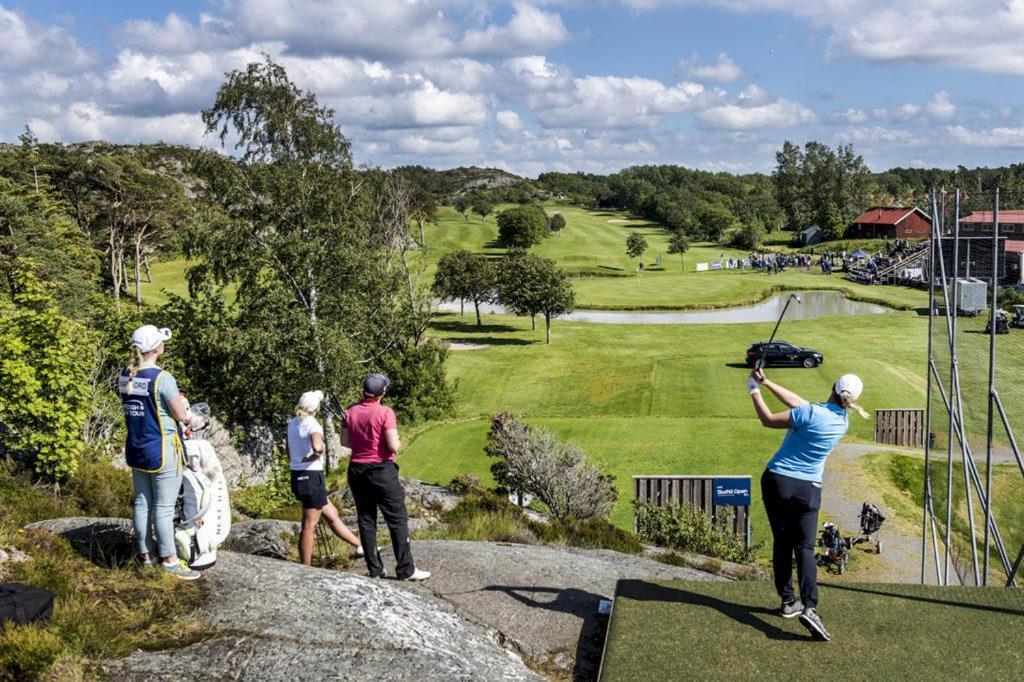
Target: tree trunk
479, 323
533, 321
682, 263
115, 268
462, 307
138, 275
547, 322
423, 241
149, 270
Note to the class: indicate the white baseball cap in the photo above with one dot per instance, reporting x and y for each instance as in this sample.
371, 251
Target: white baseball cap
147, 337
310, 400
850, 383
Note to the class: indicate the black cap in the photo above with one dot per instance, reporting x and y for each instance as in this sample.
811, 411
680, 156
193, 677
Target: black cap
375, 384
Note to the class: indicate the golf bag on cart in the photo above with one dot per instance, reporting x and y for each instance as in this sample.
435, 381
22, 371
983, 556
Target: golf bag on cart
835, 545
202, 519
870, 523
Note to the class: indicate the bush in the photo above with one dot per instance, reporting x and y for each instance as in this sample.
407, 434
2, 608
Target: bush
101, 489
464, 484
560, 475
27, 652
522, 226
556, 223
270, 500
487, 517
685, 527
588, 534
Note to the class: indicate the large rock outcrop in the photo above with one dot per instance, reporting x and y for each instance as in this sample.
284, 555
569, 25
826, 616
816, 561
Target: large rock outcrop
282, 621
105, 541
542, 600
276, 620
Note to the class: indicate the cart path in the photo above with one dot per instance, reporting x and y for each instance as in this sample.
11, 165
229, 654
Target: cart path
845, 488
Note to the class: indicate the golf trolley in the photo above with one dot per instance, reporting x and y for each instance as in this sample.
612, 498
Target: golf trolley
836, 548
870, 523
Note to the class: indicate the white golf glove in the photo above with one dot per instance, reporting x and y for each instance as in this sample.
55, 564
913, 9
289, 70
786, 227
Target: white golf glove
753, 386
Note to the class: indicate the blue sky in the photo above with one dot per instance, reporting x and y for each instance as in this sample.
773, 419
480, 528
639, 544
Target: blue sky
534, 85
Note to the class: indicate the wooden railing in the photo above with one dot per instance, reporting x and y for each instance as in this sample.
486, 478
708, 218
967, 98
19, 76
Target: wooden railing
900, 427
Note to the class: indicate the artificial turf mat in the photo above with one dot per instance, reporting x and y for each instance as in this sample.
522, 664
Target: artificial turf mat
669, 630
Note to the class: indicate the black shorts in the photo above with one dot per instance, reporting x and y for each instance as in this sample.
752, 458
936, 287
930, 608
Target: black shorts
310, 489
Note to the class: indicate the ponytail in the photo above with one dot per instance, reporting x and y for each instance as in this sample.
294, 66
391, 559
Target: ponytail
847, 402
134, 364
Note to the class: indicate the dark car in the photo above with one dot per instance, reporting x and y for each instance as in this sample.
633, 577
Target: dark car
782, 354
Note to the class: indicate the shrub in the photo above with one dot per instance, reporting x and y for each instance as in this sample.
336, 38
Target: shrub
558, 474
588, 534
101, 489
464, 484
272, 499
27, 652
556, 222
487, 517
685, 527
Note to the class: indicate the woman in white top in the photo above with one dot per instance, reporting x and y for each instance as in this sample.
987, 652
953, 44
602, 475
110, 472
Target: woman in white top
305, 452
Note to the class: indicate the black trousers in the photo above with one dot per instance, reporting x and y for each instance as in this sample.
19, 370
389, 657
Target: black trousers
792, 506
376, 487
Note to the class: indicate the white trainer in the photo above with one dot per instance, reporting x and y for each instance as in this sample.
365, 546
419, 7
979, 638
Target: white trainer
418, 576
359, 552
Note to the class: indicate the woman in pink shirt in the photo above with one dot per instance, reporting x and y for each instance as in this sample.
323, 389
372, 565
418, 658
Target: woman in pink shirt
372, 433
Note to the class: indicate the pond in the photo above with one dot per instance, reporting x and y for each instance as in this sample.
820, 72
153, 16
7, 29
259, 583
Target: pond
813, 304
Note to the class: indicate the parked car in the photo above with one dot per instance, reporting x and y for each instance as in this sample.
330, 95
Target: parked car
782, 354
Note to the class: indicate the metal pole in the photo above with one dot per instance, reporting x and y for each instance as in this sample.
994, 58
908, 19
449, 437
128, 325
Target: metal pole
991, 378
928, 406
952, 360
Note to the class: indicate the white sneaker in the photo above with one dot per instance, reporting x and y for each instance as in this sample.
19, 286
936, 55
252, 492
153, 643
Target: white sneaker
359, 552
418, 576
181, 570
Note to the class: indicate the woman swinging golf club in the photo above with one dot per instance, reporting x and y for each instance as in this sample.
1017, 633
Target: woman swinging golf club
791, 484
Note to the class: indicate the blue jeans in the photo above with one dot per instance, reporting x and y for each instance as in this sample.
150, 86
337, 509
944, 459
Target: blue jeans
155, 495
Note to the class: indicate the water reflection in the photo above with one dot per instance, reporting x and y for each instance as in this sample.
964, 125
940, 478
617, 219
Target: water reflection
814, 304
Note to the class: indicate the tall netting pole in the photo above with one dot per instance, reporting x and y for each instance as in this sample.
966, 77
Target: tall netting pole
993, 315
928, 400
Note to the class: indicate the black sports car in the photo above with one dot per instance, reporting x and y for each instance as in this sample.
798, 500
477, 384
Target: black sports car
782, 354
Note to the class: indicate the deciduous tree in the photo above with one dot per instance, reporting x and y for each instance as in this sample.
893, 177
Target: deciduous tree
522, 226
678, 243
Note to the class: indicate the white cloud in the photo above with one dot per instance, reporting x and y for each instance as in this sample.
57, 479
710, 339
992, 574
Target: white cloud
992, 138
177, 35
982, 35
509, 121
941, 106
779, 114
27, 45
723, 70
423, 145
530, 30
851, 115
616, 102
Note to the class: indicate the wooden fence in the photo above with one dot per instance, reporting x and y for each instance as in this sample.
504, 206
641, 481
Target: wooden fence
900, 427
698, 491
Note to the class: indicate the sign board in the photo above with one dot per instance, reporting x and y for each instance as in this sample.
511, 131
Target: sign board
717, 265
702, 267
731, 491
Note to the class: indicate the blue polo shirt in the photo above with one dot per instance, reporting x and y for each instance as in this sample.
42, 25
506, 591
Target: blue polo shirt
816, 429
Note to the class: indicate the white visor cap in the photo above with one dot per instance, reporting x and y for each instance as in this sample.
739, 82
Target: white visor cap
310, 400
850, 383
147, 337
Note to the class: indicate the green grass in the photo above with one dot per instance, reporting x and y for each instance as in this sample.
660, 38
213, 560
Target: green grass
728, 631
649, 399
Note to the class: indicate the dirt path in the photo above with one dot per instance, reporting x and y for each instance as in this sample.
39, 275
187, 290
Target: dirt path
846, 487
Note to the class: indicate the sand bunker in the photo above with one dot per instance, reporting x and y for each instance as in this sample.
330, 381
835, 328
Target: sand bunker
623, 221
465, 345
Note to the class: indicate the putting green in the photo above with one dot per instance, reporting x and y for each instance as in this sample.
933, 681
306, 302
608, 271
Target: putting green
728, 631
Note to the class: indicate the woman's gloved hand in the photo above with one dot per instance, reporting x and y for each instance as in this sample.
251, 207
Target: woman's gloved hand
752, 385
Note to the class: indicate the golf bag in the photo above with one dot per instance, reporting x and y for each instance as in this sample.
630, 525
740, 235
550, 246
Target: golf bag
835, 545
870, 523
203, 519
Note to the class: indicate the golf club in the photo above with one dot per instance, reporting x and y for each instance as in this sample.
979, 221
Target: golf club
759, 365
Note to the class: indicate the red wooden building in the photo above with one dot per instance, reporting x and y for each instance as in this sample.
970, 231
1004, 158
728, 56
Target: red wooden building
1011, 226
902, 223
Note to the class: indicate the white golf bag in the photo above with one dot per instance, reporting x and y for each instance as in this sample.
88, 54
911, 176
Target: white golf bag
205, 518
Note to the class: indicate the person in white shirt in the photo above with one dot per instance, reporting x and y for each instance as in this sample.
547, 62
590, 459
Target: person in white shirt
306, 450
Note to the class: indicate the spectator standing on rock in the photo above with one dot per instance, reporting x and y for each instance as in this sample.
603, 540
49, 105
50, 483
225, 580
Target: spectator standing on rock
306, 449
372, 433
154, 448
791, 485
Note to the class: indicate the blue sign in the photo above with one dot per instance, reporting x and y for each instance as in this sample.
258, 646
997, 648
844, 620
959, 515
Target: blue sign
731, 491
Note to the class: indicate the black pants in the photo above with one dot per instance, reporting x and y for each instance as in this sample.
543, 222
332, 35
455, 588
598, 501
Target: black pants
376, 486
792, 506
